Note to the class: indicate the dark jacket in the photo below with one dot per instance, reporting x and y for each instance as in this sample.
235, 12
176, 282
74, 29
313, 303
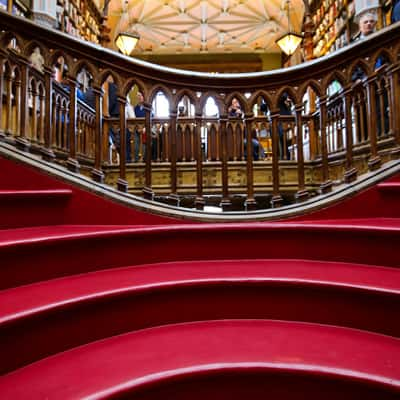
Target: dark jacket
113, 105
90, 98
140, 111
395, 12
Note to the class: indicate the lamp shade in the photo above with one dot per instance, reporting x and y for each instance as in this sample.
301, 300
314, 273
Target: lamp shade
126, 42
289, 42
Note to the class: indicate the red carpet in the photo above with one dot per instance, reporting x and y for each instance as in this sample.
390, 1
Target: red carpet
115, 365
102, 301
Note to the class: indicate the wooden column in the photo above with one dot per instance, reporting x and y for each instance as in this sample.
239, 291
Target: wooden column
380, 90
199, 201
147, 190
72, 162
225, 201
2, 134
375, 161
8, 127
357, 115
276, 200
313, 131
250, 203
34, 137
302, 193
46, 150
122, 183
97, 173
395, 106
338, 118
17, 100
21, 140
326, 185
173, 196
350, 172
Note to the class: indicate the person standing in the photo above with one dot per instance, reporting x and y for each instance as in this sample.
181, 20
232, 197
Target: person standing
367, 25
113, 111
234, 110
285, 108
140, 134
395, 16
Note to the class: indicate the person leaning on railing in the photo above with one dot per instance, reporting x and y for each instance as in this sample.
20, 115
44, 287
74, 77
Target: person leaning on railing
235, 110
367, 25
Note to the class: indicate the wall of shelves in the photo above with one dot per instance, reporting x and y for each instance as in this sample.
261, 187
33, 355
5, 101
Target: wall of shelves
80, 18
334, 26
21, 8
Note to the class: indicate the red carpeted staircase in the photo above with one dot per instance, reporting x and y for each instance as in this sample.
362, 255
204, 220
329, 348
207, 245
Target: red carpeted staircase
101, 301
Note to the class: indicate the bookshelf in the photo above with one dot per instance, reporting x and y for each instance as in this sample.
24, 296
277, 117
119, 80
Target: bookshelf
80, 18
334, 26
21, 8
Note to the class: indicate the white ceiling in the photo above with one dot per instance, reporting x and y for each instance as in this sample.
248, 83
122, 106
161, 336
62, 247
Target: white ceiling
199, 26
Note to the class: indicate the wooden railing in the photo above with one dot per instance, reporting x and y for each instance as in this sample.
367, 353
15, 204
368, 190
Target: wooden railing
345, 118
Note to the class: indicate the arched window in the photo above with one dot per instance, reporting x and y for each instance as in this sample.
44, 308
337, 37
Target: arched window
211, 109
161, 105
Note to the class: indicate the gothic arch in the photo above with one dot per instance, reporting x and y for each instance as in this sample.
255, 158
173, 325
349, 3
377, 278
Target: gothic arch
185, 92
313, 84
381, 53
357, 64
335, 75
260, 93
31, 45
218, 101
240, 97
83, 64
287, 89
105, 74
131, 83
163, 89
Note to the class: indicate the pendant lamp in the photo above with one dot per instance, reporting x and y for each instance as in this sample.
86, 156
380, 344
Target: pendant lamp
290, 41
126, 42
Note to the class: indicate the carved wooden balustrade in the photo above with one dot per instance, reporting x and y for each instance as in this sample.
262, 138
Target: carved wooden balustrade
344, 120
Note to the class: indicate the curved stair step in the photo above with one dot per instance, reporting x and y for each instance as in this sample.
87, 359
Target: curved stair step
389, 187
21, 208
33, 254
41, 194
114, 367
41, 319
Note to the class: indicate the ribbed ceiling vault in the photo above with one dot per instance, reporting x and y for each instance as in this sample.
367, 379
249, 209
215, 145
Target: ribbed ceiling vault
199, 26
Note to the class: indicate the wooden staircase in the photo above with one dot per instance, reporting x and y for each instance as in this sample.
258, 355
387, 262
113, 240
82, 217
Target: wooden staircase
102, 301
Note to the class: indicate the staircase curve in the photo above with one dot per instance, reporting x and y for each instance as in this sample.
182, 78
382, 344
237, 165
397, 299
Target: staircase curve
99, 300
105, 295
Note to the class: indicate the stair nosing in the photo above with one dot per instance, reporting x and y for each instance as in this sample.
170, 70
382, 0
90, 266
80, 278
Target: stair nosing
103, 231
192, 279
269, 345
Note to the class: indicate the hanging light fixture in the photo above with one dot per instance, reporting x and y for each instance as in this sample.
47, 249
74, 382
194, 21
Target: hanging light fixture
126, 42
290, 41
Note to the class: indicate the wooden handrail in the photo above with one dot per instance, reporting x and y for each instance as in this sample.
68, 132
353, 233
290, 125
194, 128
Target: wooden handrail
38, 114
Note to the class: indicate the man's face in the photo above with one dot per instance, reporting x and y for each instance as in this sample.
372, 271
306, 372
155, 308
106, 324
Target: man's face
140, 97
367, 25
